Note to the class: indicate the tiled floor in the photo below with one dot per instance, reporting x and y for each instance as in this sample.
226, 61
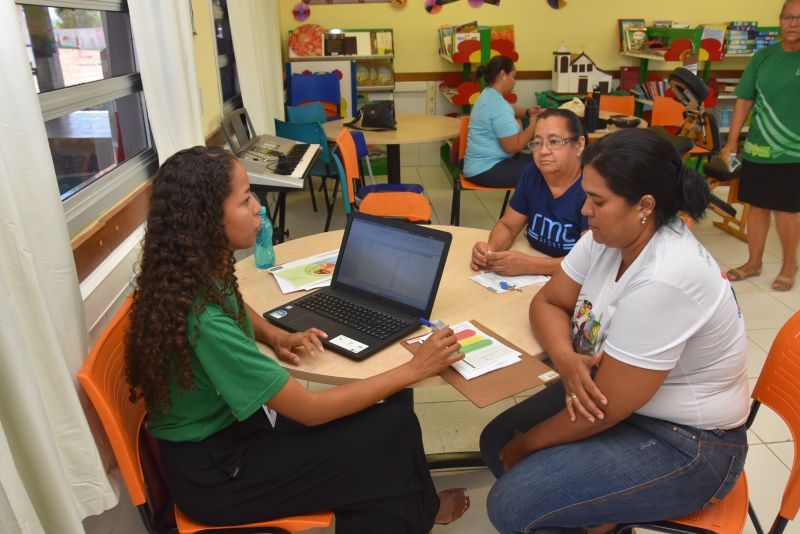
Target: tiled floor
451, 423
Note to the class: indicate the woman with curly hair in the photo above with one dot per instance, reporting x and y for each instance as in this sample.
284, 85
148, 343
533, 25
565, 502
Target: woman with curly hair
212, 397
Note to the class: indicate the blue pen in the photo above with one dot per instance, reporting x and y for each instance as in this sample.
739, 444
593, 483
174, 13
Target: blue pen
435, 325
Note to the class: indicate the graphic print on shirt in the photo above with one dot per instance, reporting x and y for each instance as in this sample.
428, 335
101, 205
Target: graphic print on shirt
551, 233
585, 329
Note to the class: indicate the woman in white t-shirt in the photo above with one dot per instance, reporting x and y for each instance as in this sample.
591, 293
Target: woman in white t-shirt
648, 421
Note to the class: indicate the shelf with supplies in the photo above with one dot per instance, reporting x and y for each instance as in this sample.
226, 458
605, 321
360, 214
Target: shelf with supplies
467, 45
370, 53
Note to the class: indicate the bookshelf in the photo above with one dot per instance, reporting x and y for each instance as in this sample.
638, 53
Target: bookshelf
475, 48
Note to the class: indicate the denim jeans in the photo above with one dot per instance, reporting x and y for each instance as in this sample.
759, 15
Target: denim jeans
642, 469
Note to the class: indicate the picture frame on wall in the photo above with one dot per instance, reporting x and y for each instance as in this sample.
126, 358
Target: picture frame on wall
623, 25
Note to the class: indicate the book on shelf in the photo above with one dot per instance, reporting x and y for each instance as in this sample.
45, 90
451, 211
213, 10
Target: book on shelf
635, 37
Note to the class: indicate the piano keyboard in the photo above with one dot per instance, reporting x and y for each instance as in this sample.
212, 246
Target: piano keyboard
278, 162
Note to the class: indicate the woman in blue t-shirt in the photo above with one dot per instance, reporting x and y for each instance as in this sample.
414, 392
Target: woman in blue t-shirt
495, 138
547, 202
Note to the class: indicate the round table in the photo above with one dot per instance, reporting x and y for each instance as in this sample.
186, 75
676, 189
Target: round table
410, 129
458, 299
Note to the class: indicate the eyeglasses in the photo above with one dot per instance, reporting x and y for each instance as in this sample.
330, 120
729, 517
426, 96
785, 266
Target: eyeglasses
788, 19
554, 143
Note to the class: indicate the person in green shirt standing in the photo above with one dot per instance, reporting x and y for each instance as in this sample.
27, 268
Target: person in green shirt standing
770, 174
240, 440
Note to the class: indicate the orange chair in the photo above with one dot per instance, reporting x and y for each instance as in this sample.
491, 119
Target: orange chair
621, 104
412, 207
103, 378
462, 182
667, 112
778, 387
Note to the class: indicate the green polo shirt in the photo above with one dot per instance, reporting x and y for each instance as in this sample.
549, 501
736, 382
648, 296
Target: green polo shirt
772, 81
232, 378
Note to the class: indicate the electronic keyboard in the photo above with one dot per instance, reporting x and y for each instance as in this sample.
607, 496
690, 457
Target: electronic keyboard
278, 162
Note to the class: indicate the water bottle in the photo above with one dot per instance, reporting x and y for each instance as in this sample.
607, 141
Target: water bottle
263, 251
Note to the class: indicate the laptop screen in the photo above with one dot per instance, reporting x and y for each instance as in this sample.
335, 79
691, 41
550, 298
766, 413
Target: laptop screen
394, 262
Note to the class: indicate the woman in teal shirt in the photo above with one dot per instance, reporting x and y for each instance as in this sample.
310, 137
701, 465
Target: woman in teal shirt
240, 440
495, 138
770, 175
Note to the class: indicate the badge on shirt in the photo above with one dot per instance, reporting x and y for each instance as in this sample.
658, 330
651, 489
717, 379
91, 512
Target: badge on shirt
272, 415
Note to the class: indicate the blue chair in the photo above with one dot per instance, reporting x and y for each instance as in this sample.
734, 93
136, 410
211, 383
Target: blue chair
363, 156
312, 133
322, 87
312, 112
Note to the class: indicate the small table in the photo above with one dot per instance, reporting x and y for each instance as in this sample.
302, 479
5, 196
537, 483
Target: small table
458, 299
411, 129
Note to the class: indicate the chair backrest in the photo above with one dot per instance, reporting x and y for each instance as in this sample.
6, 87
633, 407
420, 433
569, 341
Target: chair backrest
346, 191
311, 112
463, 134
322, 87
667, 112
624, 104
305, 132
238, 129
103, 378
349, 157
778, 387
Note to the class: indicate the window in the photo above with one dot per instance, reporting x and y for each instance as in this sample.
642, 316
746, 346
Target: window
589, 67
581, 68
84, 69
226, 59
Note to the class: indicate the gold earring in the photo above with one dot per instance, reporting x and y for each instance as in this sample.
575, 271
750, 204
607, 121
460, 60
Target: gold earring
644, 219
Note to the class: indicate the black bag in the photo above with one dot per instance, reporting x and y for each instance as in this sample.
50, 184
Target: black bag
376, 116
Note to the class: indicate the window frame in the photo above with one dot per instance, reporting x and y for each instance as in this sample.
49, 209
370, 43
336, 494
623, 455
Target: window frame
88, 204
224, 60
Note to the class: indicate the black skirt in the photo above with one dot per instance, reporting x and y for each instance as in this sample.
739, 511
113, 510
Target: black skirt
772, 186
368, 468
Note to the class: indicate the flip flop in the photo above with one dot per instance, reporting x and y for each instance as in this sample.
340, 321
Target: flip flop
784, 283
452, 494
735, 275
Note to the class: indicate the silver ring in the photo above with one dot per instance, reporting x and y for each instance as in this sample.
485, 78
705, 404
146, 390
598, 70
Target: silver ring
571, 397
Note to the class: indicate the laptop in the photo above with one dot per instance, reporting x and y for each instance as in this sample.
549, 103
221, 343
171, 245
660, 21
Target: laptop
386, 278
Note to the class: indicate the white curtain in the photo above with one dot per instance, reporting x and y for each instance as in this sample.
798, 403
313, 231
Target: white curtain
51, 475
162, 36
255, 27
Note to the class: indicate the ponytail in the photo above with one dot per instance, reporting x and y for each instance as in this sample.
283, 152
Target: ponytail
637, 162
491, 70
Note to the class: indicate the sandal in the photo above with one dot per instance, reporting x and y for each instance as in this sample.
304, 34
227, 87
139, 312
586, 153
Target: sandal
784, 283
455, 502
735, 275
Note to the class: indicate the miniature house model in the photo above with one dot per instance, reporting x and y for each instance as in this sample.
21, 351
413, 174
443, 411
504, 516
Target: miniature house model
578, 75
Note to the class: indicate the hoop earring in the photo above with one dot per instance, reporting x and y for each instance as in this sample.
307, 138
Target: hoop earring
644, 219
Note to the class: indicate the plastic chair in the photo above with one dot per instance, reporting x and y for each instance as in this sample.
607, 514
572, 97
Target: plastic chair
462, 182
412, 207
322, 87
778, 387
624, 105
313, 133
311, 112
362, 153
103, 378
667, 112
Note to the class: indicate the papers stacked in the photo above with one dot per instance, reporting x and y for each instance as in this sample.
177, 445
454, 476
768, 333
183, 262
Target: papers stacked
492, 281
307, 273
482, 352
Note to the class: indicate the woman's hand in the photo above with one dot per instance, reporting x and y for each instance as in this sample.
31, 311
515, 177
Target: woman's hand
436, 353
583, 395
513, 451
286, 344
726, 151
479, 256
508, 262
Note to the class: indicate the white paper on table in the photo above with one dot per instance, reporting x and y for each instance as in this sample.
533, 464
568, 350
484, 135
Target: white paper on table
479, 361
295, 279
491, 281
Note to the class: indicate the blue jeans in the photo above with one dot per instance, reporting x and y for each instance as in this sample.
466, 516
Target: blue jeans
642, 469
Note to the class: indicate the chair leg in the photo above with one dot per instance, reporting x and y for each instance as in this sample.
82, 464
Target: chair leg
313, 197
505, 204
455, 208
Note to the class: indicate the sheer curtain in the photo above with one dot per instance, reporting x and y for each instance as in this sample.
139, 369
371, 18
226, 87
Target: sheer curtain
51, 475
162, 35
255, 27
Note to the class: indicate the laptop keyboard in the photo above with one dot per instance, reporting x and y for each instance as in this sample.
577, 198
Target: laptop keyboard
361, 318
